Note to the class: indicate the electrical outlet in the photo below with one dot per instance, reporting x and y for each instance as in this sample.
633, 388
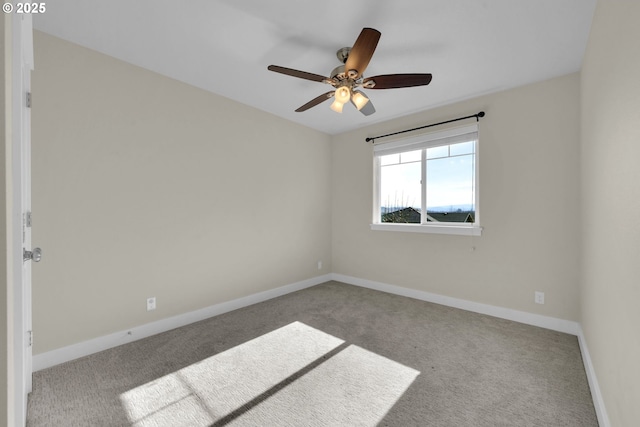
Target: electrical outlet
539, 297
151, 303
319, 265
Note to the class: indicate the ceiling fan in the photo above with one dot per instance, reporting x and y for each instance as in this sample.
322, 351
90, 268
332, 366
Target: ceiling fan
347, 78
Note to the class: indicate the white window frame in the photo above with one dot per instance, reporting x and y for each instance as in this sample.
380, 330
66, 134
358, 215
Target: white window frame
423, 141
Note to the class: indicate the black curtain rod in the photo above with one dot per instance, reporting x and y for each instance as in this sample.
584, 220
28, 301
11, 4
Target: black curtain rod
477, 116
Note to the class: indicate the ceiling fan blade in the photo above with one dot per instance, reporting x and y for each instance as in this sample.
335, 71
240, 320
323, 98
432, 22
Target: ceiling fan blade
315, 101
362, 51
297, 73
394, 81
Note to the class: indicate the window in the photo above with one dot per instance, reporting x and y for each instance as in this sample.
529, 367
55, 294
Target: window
428, 183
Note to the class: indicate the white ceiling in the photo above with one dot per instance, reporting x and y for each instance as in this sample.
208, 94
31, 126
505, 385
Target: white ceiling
471, 47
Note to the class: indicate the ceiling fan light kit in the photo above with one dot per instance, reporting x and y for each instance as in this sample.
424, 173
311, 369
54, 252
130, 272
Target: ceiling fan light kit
359, 99
342, 94
337, 106
347, 78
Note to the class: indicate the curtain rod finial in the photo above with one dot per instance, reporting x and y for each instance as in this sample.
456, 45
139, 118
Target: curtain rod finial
481, 114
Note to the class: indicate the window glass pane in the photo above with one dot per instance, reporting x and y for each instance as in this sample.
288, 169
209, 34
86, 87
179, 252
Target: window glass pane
411, 156
391, 159
437, 152
400, 195
450, 189
462, 148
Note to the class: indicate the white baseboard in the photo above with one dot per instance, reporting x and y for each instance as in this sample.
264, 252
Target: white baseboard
75, 351
560, 325
85, 348
552, 323
596, 395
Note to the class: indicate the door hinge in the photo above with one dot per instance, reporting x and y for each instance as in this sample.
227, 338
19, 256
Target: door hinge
27, 219
30, 338
28, 99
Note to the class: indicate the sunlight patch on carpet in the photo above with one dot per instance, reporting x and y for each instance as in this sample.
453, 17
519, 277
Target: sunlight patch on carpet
277, 376
354, 388
226, 381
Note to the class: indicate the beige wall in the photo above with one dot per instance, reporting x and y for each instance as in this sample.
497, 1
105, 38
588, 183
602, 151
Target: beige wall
144, 186
610, 281
528, 202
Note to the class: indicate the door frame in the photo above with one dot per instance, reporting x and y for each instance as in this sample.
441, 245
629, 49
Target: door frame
20, 287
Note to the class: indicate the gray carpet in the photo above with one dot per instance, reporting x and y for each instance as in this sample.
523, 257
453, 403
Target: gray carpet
330, 355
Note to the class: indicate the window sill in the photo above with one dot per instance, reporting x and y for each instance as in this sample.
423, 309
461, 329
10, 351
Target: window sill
463, 230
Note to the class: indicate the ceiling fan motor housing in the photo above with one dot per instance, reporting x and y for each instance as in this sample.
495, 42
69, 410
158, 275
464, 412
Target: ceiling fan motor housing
338, 73
343, 55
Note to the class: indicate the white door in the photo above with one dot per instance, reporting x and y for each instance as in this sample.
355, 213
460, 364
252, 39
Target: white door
33, 254
23, 254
